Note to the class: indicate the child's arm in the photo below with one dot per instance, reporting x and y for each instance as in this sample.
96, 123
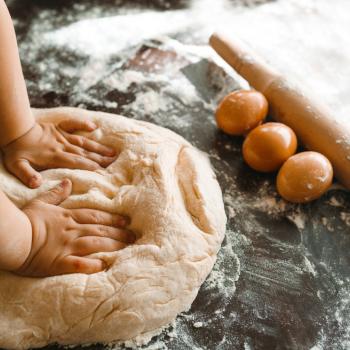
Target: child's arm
44, 239
15, 115
15, 235
27, 146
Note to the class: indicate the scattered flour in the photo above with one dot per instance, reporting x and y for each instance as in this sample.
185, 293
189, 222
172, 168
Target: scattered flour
149, 103
310, 49
309, 266
345, 217
119, 32
271, 204
198, 324
298, 218
312, 55
335, 202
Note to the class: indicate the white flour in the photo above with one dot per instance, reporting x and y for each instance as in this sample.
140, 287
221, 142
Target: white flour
313, 50
307, 40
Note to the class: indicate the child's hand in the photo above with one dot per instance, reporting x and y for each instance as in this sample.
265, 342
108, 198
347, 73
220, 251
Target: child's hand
62, 238
47, 146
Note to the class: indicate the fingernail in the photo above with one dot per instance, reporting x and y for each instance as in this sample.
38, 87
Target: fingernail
92, 125
124, 221
111, 152
64, 182
34, 182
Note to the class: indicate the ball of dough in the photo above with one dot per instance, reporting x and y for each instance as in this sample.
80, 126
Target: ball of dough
304, 177
170, 193
268, 146
241, 111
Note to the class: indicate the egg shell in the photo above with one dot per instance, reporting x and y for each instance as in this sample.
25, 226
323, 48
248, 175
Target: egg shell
268, 146
241, 111
304, 177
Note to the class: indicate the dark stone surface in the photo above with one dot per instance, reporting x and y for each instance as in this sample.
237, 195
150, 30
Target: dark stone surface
279, 302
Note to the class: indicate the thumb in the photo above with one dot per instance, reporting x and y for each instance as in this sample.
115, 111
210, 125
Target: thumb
24, 171
57, 194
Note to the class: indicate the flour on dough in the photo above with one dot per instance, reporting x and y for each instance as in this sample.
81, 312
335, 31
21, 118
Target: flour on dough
170, 192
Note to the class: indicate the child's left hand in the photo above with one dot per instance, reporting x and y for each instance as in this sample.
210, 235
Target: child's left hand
48, 145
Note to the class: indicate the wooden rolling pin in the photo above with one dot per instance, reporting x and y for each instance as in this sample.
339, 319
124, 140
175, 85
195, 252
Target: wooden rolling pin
311, 121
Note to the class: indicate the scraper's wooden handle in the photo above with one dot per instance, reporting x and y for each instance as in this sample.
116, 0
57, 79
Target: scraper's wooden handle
311, 121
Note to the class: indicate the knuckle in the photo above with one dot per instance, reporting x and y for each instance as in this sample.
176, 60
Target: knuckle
99, 159
101, 231
96, 218
79, 141
78, 266
84, 153
95, 241
75, 160
65, 241
80, 159
54, 149
83, 141
78, 152
66, 214
68, 220
55, 191
73, 139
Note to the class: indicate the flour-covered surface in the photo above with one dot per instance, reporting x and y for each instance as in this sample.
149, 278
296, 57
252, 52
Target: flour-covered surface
282, 279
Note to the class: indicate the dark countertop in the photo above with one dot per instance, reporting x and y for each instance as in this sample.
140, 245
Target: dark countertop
293, 290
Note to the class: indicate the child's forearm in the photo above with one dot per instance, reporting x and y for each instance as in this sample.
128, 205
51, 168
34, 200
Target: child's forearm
15, 235
15, 116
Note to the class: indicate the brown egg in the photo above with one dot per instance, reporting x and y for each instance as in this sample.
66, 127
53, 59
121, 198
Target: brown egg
268, 146
241, 111
304, 177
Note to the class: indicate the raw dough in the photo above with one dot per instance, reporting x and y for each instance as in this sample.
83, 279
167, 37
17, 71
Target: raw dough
170, 192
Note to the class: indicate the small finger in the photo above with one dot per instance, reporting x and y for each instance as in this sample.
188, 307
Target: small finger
72, 161
87, 245
98, 217
121, 235
78, 264
24, 171
57, 194
90, 145
71, 125
101, 160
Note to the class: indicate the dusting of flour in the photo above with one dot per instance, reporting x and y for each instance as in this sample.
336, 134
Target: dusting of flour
312, 55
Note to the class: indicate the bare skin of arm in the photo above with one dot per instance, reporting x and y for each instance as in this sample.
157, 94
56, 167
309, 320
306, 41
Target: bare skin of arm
15, 235
44, 239
15, 115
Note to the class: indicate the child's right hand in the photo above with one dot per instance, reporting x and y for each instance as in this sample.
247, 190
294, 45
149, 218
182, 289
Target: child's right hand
62, 238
